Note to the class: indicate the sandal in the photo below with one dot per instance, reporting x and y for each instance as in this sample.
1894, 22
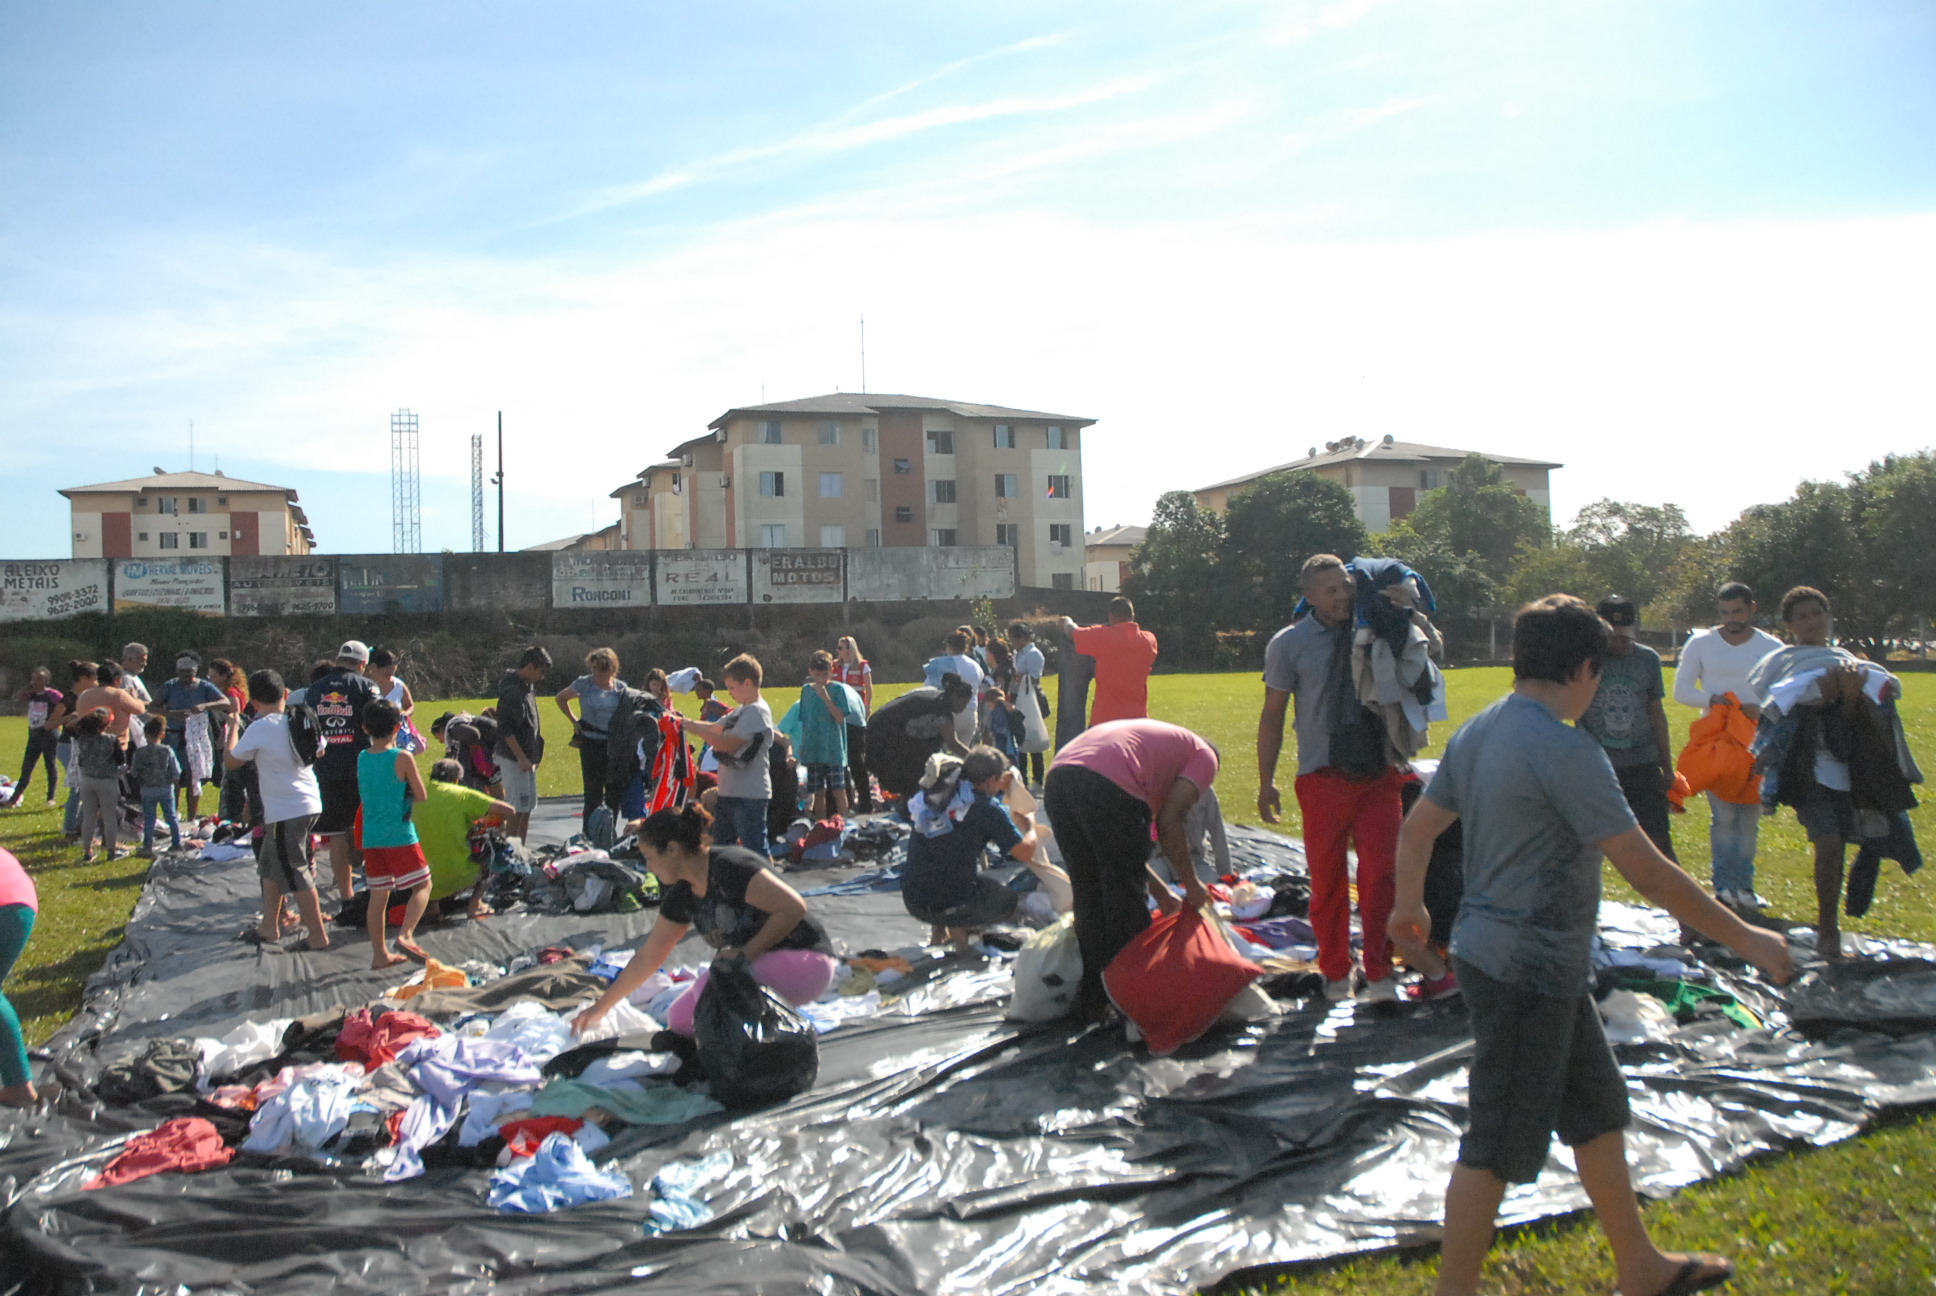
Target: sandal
411, 950
1691, 1277
250, 936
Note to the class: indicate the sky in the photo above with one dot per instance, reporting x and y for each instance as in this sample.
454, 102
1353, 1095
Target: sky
1685, 247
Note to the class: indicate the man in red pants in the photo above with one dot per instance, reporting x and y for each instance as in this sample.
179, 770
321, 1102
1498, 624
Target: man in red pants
1349, 794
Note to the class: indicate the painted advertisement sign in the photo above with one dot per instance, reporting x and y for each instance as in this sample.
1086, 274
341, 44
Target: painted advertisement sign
799, 575
958, 572
192, 586
30, 591
390, 583
282, 586
601, 579
694, 577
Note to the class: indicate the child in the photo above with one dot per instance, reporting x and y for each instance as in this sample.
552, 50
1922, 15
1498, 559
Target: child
42, 703
97, 773
291, 801
742, 742
393, 859
1540, 806
156, 772
383, 674
445, 822
827, 707
1003, 721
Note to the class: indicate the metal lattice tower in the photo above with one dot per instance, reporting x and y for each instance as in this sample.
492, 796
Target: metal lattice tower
477, 492
406, 485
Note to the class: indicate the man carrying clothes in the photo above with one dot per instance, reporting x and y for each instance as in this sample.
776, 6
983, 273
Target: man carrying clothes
1715, 662
1628, 720
185, 698
338, 696
1540, 806
520, 742
1125, 654
1347, 790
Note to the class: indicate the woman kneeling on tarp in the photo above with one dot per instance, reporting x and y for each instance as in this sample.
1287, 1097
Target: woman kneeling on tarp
956, 818
742, 909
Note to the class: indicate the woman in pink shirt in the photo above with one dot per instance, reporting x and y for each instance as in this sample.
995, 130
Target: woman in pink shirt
18, 905
1105, 790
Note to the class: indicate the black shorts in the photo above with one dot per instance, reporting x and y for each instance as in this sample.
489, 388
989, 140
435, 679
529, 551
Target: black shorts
990, 902
282, 856
1540, 1065
1826, 814
342, 798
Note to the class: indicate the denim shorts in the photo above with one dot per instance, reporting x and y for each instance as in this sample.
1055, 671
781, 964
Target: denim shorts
1540, 1065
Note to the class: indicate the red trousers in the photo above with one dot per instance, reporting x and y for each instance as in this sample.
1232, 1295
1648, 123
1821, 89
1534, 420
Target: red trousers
1338, 813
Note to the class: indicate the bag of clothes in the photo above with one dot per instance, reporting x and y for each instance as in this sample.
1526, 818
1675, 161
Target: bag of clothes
756, 1047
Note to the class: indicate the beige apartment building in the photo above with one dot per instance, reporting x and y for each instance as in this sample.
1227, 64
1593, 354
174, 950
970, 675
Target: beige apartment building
184, 515
854, 470
1386, 477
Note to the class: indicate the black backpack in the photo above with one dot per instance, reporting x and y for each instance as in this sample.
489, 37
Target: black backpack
305, 732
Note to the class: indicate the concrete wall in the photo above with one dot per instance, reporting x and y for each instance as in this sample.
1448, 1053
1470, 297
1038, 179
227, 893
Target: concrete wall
963, 572
279, 586
479, 582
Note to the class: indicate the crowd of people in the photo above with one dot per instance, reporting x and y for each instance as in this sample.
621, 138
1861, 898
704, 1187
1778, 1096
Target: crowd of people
1574, 765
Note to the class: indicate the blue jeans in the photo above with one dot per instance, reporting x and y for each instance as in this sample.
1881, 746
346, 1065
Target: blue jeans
162, 799
1731, 837
740, 821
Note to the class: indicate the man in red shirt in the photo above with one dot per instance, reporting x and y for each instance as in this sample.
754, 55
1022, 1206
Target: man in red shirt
1124, 654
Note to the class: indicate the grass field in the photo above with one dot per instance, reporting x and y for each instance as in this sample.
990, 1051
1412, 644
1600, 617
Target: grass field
1856, 1218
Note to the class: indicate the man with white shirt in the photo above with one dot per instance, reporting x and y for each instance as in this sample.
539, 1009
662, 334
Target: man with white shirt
1716, 661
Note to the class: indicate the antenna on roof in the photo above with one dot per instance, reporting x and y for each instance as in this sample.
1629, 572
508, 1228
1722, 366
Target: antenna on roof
191, 445
863, 352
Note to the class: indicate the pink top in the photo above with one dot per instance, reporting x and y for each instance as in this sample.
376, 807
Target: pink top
16, 888
1144, 758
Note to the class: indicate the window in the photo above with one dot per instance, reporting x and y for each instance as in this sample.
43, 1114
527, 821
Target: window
867, 435
833, 537
773, 535
1059, 486
166, 505
1060, 534
873, 537
197, 505
941, 537
141, 503
941, 442
221, 499
169, 540
1007, 486
1056, 440
874, 490
1008, 533
198, 539
903, 467
773, 484
770, 432
832, 485
1004, 436
641, 499
943, 490
1062, 580
142, 536
903, 513
830, 434
1428, 479
221, 535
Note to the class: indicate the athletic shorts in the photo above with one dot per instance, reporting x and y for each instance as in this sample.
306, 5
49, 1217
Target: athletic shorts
342, 798
1826, 815
520, 786
831, 777
1540, 1065
283, 856
399, 868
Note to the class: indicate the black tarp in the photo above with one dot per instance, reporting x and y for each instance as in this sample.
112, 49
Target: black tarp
943, 1150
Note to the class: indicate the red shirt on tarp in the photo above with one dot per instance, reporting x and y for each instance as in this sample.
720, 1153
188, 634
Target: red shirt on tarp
1124, 653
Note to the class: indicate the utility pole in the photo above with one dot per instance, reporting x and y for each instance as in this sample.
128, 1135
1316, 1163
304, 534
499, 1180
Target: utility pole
498, 481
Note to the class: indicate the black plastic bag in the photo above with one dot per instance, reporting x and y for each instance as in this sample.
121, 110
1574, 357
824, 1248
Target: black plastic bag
756, 1049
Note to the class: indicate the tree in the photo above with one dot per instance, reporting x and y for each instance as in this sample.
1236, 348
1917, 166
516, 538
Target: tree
1271, 529
1630, 549
1902, 532
1478, 511
1173, 578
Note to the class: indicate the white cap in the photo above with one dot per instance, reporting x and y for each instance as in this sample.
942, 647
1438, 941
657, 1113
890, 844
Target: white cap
354, 650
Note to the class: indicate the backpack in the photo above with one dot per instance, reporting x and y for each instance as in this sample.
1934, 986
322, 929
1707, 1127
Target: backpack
305, 732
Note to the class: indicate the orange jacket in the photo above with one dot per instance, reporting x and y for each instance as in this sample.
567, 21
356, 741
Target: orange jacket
1716, 757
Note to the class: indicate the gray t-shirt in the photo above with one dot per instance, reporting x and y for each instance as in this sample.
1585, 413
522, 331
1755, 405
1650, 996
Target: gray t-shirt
1535, 796
1621, 714
753, 780
1298, 660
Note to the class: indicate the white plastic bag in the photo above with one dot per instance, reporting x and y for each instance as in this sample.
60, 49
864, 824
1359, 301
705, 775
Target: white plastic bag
1047, 972
1035, 731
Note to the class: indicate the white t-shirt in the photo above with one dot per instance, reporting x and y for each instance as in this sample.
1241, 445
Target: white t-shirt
289, 788
1710, 666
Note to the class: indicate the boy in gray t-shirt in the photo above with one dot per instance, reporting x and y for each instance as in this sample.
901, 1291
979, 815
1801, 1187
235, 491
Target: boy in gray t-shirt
742, 741
1540, 806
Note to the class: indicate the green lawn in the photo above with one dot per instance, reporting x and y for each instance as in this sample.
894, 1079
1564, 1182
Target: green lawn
1856, 1218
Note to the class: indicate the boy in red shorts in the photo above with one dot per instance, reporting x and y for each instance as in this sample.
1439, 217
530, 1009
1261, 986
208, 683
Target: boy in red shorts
393, 858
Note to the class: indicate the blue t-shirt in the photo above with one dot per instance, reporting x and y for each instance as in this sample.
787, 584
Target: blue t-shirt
823, 740
941, 871
1535, 796
386, 800
177, 696
597, 706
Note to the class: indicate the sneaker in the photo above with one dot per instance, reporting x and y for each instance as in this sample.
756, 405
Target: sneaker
1338, 991
1432, 989
1745, 903
1383, 991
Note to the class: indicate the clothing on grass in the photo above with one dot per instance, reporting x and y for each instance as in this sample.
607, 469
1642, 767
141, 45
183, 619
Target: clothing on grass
724, 916
309, 1113
447, 1068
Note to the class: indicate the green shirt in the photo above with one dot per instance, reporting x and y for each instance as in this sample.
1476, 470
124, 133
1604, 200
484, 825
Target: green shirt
444, 824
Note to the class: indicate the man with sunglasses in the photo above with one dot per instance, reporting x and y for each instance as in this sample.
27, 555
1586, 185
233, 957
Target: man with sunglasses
1628, 720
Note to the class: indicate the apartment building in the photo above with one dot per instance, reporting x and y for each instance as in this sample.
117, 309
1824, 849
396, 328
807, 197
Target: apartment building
186, 514
854, 470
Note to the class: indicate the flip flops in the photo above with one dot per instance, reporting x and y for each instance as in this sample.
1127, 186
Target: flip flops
1692, 1277
411, 950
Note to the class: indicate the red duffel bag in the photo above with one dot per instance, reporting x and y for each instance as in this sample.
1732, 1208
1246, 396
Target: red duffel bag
1176, 978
